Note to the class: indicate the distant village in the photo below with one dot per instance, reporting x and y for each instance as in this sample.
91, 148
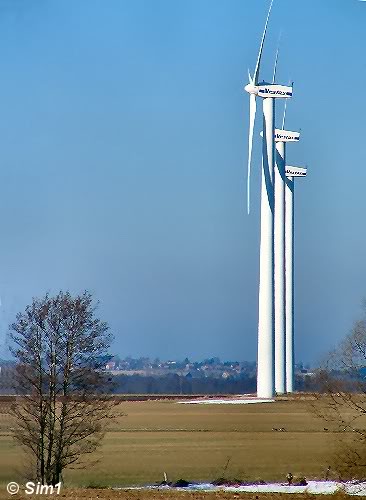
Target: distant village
212, 367
154, 376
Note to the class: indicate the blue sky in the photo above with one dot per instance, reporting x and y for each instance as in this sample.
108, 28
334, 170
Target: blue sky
123, 147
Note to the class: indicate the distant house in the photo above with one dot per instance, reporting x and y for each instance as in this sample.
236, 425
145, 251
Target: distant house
110, 365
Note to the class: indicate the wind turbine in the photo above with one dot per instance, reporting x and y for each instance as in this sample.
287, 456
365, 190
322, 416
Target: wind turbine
265, 365
282, 137
284, 333
291, 174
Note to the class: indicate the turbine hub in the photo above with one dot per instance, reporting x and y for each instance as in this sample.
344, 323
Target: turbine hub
251, 89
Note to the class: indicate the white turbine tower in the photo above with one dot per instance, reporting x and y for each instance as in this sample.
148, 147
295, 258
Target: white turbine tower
265, 365
291, 173
281, 138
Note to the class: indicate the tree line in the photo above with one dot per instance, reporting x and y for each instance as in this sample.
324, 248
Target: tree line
177, 384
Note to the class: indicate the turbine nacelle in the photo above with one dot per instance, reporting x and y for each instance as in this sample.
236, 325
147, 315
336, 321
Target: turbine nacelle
286, 136
251, 88
295, 171
276, 91
269, 90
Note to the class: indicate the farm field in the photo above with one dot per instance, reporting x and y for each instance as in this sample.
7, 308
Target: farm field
197, 443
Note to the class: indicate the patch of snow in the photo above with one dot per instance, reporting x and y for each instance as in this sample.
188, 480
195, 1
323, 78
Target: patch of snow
226, 401
313, 487
323, 487
355, 488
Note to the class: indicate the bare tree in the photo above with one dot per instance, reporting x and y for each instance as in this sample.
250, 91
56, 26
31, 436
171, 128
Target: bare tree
64, 397
342, 401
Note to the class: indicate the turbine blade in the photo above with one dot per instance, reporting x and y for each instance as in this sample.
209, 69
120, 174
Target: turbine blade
250, 77
276, 59
275, 67
284, 115
252, 112
257, 67
285, 109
